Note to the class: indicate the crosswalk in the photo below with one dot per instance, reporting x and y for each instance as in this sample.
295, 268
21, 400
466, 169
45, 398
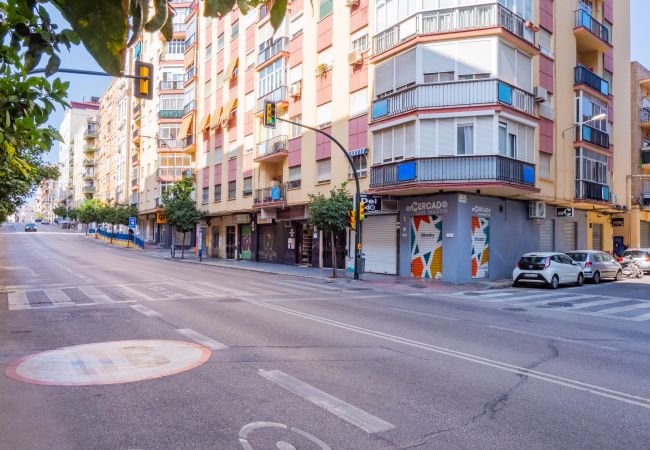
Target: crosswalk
116, 293
573, 301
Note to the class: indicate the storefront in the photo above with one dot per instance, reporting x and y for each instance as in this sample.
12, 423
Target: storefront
380, 235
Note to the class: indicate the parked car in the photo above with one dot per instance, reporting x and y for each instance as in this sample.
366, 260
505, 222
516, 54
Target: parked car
45, 222
30, 227
641, 256
548, 268
597, 265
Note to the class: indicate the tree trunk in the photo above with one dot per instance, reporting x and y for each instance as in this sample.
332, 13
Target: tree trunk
96, 230
333, 247
112, 232
183, 247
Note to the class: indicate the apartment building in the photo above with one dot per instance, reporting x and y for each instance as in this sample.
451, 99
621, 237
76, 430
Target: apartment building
637, 224
109, 169
46, 197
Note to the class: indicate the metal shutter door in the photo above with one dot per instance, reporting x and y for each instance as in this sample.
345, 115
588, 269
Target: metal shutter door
546, 235
426, 247
645, 234
569, 230
597, 236
380, 244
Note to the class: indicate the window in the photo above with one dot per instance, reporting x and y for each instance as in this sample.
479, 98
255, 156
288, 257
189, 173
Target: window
208, 87
295, 74
218, 155
168, 130
250, 58
361, 164
232, 190
220, 42
171, 102
512, 145
295, 130
294, 177
248, 186
248, 144
545, 42
234, 32
208, 52
439, 77
609, 77
326, 7
474, 76
591, 166
394, 144
465, 139
205, 195
272, 77
589, 107
217, 192
359, 102
175, 46
295, 26
503, 139
323, 170
249, 102
360, 40
324, 115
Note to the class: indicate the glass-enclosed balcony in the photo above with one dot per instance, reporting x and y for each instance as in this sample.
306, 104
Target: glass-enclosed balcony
273, 48
170, 113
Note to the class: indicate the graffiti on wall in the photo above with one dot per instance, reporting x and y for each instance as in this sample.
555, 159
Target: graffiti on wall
480, 246
426, 246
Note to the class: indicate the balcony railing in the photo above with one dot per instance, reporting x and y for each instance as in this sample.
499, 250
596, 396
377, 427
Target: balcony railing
135, 157
171, 173
644, 117
90, 132
170, 113
88, 189
134, 181
280, 94
189, 74
270, 195
90, 149
88, 162
135, 133
454, 169
178, 28
594, 136
189, 107
582, 75
169, 85
190, 40
271, 146
188, 140
589, 190
458, 93
89, 176
584, 19
450, 20
170, 143
136, 110
277, 46
645, 157
134, 199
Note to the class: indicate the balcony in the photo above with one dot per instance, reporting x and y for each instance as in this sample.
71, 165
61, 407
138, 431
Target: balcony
454, 94
171, 173
189, 75
134, 199
593, 136
590, 34
178, 28
644, 118
170, 113
645, 159
88, 176
191, 39
272, 150
137, 110
135, 136
170, 85
135, 159
90, 132
88, 162
270, 196
587, 190
454, 170
89, 149
188, 141
134, 184
279, 95
188, 108
451, 20
277, 46
89, 189
170, 144
582, 75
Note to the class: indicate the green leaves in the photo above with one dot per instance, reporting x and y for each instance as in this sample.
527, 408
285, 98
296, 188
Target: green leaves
179, 207
218, 8
329, 214
278, 11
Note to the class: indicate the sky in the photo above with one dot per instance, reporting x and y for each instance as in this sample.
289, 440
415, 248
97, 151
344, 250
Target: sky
82, 87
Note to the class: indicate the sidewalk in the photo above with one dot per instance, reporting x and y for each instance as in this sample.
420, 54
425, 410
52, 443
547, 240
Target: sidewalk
373, 279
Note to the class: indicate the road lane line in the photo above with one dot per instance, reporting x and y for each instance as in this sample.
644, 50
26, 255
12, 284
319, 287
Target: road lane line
555, 338
423, 314
613, 301
18, 300
517, 370
146, 311
95, 294
351, 414
641, 305
58, 296
560, 299
201, 339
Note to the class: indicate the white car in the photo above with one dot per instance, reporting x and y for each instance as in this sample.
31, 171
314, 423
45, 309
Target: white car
551, 269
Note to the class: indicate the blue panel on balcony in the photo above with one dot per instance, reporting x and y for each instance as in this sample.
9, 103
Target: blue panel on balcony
138, 49
604, 87
406, 171
586, 134
276, 193
379, 108
528, 174
584, 19
606, 193
505, 93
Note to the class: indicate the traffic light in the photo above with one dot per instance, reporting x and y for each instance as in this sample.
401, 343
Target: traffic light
143, 87
362, 211
269, 114
352, 215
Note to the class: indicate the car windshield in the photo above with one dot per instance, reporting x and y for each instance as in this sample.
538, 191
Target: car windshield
635, 254
579, 257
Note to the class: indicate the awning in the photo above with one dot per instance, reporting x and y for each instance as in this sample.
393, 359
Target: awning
358, 151
216, 117
205, 123
232, 104
230, 69
189, 59
186, 126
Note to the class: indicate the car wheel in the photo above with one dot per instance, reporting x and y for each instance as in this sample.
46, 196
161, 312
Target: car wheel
581, 280
515, 284
596, 278
619, 276
555, 282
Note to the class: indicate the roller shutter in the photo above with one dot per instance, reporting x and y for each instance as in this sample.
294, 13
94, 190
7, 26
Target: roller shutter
380, 244
597, 236
645, 234
546, 235
569, 231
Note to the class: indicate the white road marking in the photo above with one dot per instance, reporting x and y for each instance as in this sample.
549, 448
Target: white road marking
423, 314
642, 305
613, 301
640, 318
146, 311
18, 300
314, 286
565, 299
201, 339
506, 367
129, 291
555, 338
57, 296
95, 294
351, 414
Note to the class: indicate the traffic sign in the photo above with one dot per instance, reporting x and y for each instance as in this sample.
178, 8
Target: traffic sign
132, 222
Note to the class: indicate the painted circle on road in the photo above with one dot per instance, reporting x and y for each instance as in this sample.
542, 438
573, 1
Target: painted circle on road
109, 362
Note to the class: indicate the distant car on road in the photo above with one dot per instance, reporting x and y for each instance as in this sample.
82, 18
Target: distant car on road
38, 220
597, 265
45, 222
30, 227
551, 269
641, 256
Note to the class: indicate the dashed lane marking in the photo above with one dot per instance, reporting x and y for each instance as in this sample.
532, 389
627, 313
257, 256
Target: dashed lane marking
146, 311
202, 339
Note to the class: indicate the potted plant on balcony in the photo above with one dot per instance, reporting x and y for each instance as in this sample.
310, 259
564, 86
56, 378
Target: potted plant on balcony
322, 69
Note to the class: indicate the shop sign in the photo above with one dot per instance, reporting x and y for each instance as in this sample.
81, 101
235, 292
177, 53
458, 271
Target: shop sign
242, 218
618, 222
435, 208
564, 212
372, 203
481, 211
268, 214
161, 218
296, 213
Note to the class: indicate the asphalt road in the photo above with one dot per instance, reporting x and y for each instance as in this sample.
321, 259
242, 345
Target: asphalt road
188, 356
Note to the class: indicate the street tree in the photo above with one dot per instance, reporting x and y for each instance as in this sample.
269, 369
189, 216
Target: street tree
91, 211
61, 211
330, 215
180, 208
73, 213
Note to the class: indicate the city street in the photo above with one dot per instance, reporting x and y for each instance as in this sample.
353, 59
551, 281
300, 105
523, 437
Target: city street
157, 354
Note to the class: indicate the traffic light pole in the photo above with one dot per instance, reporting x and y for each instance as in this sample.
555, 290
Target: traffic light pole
357, 197
89, 72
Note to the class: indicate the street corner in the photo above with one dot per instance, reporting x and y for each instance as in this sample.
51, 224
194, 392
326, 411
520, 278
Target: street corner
112, 362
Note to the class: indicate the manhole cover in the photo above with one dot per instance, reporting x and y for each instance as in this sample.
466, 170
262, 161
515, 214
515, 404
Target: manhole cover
560, 304
108, 362
514, 309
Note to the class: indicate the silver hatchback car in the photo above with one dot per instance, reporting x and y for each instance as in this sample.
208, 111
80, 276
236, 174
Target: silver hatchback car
597, 265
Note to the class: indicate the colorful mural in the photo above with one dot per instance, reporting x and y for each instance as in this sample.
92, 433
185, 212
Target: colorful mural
480, 246
426, 246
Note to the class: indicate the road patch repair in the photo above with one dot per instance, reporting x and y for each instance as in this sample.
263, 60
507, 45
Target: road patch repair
108, 362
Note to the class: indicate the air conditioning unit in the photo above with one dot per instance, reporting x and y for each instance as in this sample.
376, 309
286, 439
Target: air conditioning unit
350, 3
389, 206
295, 90
537, 210
355, 57
541, 94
